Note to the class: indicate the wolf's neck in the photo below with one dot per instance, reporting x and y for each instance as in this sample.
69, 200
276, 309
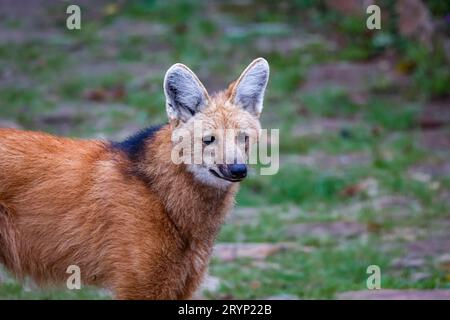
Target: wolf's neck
196, 210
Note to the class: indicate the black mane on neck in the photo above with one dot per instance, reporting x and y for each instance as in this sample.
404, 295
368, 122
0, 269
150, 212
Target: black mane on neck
134, 144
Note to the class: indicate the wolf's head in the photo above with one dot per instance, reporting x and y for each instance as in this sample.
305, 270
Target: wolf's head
212, 134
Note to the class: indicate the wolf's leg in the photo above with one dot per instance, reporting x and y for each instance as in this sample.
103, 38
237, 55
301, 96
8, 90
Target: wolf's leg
134, 289
146, 281
192, 284
9, 242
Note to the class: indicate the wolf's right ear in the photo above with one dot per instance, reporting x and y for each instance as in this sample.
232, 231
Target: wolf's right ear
248, 90
185, 94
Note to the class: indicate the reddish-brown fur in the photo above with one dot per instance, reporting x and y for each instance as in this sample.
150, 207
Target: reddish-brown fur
73, 202
142, 226
144, 229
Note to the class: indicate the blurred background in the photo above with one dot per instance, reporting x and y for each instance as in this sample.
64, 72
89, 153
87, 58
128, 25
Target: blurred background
364, 119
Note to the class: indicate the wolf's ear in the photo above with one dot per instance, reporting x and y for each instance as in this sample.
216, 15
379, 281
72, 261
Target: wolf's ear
185, 94
248, 91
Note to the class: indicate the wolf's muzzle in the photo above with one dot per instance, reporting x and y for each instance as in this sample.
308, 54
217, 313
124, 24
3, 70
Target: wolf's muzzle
231, 172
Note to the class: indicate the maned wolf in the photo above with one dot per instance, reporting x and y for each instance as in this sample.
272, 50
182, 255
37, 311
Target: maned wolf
129, 217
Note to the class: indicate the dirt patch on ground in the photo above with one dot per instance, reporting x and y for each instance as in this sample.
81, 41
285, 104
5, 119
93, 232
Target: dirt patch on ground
390, 207
233, 251
251, 215
435, 124
320, 126
64, 118
426, 171
326, 161
437, 140
9, 124
435, 114
429, 247
339, 229
354, 78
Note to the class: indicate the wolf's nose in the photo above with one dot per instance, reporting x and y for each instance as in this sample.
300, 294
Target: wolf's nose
238, 171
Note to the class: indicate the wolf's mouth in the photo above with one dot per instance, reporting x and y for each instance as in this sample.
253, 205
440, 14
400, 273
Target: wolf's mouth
224, 178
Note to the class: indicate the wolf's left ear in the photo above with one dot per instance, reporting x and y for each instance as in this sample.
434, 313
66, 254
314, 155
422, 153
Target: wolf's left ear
248, 91
185, 94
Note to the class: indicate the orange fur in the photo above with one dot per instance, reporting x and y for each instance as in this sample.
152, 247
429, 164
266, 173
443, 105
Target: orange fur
71, 202
142, 227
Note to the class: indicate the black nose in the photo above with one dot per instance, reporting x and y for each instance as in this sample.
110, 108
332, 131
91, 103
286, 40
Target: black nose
238, 171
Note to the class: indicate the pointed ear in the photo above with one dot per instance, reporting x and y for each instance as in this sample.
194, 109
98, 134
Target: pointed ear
185, 94
248, 91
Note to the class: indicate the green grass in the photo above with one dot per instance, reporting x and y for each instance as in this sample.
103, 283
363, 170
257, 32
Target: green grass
330, 102
304, 275
285, 187
12, 290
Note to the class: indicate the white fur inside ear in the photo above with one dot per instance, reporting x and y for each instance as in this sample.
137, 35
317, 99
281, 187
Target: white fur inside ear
185, 94
251, 85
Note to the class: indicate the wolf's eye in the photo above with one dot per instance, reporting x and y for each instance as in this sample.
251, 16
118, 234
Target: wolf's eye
208, 139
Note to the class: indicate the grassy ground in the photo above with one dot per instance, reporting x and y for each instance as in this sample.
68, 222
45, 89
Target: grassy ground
354, 145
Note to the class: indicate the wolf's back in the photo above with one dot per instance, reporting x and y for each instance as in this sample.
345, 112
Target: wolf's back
29, 158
